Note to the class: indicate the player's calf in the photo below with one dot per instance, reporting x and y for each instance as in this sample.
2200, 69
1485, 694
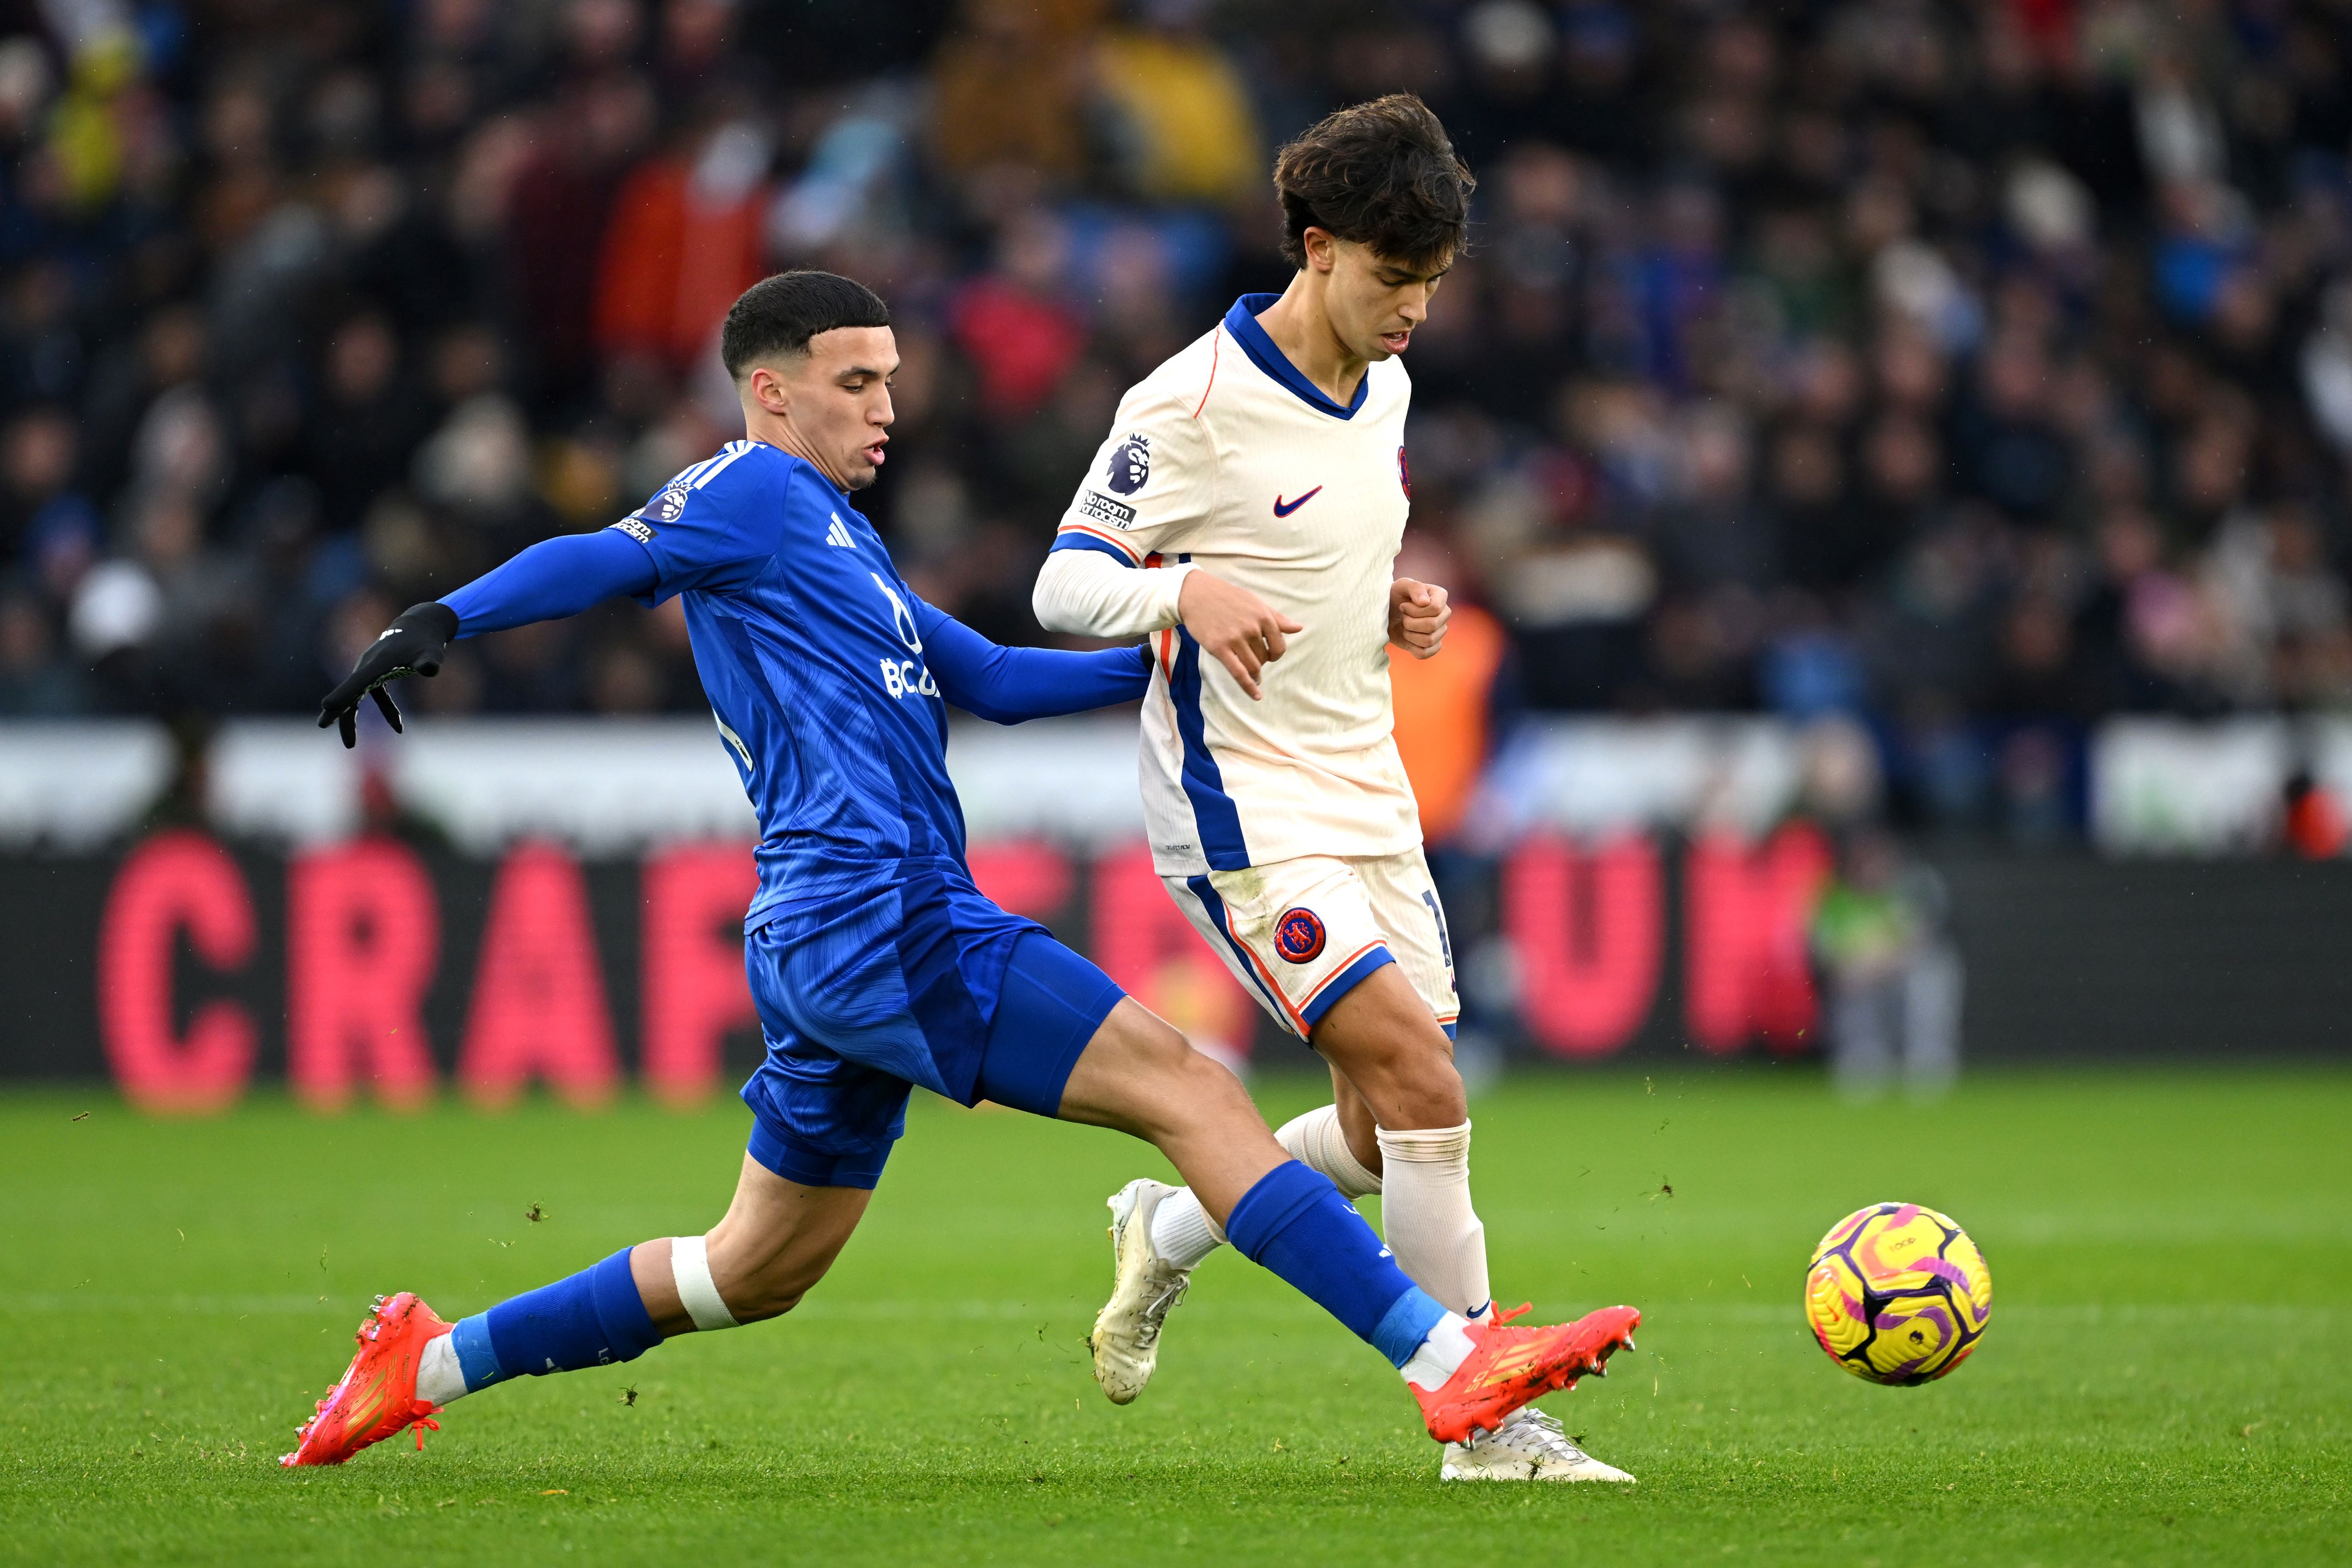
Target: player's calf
1383, 1038
777, 1240
595, 1318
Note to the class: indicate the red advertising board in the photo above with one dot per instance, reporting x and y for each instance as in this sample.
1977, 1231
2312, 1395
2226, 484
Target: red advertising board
381, 969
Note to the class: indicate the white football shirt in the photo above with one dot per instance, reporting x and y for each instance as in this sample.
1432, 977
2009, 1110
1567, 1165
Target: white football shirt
1227, 458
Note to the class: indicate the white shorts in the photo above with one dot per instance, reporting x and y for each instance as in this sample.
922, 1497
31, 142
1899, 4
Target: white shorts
1300, 934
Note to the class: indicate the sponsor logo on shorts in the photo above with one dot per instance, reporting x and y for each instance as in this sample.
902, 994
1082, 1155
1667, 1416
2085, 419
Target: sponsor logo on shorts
636, 528
1131, 465
1102, 509
1299, 935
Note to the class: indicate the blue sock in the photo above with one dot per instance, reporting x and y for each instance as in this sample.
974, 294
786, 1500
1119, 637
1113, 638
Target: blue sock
591, 1318
1295, 1222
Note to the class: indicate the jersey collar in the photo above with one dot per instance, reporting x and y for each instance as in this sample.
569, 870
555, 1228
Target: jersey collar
1242, 322
848, 498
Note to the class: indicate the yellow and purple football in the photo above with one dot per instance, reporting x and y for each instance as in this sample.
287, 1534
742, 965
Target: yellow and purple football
1898, 1294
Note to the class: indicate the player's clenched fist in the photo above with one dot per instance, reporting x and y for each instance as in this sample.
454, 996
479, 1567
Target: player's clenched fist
413, 645
1417, 616
1243, 631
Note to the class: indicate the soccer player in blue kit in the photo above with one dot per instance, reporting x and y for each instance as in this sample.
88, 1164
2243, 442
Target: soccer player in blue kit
875, 961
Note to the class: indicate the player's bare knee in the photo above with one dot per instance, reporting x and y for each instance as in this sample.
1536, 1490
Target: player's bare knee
1186, 1091
1209, 1082
765, 1304
1435, 1091
1208, 1107
1411, 1089
761, 1273
1157, 1053
773, 1291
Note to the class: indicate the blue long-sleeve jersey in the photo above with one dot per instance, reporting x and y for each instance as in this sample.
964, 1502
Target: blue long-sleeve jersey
827, 674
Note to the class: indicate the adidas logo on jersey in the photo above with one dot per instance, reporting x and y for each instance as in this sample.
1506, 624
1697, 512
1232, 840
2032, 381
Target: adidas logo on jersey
839, 533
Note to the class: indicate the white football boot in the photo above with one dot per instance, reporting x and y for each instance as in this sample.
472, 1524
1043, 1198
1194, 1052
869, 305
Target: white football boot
1144, 1285
1531, 1447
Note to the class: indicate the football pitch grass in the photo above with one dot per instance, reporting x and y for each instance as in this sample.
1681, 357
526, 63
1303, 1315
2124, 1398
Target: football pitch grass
2168, 1376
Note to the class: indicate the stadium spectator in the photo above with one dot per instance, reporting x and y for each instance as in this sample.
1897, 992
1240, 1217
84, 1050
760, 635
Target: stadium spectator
1893, 1002
1974, 372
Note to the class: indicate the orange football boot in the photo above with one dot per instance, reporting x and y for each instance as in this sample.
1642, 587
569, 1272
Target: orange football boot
1509, 1367
377, 1396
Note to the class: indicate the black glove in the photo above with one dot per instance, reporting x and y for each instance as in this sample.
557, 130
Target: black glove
411, 645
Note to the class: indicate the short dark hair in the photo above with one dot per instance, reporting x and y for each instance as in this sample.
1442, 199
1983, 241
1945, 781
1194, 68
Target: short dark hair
1383, 174
779, 315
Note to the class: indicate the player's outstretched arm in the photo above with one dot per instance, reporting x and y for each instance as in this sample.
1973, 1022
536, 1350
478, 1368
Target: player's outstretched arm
1095, 594
1008, 685
554, 578
1092, 594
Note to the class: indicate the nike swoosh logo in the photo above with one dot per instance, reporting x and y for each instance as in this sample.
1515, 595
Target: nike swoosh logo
1281, 509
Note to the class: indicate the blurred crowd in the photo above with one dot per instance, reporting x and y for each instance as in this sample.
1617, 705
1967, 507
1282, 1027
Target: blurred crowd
1977, 369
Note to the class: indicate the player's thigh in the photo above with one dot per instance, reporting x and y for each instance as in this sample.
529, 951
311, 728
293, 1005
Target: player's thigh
1051, 1004
1066, 1042
1380, 1036
1139, 1075
1405, 906
1390, 1034
1296, 933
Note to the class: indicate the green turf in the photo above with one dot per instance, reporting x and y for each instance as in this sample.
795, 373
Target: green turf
2168, 1376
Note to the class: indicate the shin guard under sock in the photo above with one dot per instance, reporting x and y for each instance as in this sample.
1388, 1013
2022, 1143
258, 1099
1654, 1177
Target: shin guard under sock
1182, 1232
591, 1318
1426, 1215
1295, 1222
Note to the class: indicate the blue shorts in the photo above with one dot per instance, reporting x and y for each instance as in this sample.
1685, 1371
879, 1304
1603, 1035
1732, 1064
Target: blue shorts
862, 995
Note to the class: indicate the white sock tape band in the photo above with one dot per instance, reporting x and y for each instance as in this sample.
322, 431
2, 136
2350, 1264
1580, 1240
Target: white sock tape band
690, 1265
1428, 1146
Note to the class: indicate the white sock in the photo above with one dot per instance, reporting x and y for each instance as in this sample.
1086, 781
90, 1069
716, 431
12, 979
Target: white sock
1426, 1217
1445, 1347
1316, 1140
1181, 1231
689, 1266
439, 1378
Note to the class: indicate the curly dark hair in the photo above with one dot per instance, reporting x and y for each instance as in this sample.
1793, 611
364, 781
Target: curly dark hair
1383, 174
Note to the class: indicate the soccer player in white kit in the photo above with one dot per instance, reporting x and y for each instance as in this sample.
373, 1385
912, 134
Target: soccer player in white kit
1245, 514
